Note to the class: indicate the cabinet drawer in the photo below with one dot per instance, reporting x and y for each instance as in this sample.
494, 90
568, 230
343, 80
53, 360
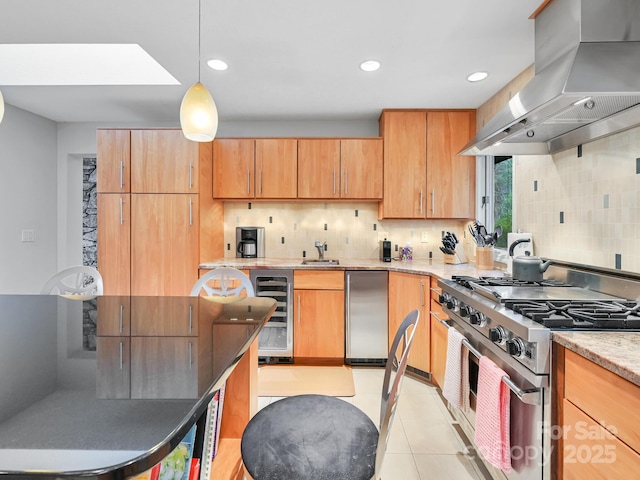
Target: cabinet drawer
164, 316
590, 451
604, 396
316, 280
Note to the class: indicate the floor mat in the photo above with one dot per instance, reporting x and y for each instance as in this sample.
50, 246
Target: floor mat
289, 380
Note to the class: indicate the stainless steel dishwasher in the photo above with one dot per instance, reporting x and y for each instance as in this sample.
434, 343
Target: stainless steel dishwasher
366, 317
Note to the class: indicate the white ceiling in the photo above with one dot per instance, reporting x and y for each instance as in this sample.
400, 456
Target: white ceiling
288, 59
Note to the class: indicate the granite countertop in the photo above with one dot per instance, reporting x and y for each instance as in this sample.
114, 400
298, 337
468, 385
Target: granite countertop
615, 351
425, 267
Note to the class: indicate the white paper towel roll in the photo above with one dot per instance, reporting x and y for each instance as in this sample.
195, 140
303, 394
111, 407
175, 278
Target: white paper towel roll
519, 249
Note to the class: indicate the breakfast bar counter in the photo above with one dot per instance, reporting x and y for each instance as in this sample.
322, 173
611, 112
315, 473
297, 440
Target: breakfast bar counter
106, 387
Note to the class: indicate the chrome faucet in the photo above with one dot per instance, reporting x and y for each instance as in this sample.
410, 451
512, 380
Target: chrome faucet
320, 247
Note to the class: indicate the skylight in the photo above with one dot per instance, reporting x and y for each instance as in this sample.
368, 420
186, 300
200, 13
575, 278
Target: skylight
80, 64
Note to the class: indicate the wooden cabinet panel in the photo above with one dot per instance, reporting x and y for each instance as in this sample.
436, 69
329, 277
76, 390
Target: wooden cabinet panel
114, 242
233, 168
319, 168
276, 168
164, 244
439, 342
451, 179
114, 314
361, 168
589, 451
165, 316
405, 173
163, 161
113, 367
318, 280
592, 388
406, 293
113, 161
318, 330
164, 367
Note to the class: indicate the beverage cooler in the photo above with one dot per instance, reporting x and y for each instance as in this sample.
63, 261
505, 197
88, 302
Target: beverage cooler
275, 343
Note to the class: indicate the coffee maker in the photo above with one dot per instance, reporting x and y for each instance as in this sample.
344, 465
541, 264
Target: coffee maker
249, 242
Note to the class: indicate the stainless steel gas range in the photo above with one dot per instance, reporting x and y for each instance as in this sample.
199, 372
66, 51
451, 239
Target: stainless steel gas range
512, 323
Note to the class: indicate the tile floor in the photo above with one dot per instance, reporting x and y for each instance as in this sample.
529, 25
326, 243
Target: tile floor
423, 443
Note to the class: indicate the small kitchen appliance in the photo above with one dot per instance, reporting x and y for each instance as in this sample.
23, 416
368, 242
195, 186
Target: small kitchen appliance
249, 242
385, 250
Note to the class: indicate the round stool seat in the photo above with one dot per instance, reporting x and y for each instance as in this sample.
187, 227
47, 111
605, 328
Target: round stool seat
310, 437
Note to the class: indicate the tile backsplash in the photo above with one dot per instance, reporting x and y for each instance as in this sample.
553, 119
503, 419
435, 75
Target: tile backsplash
350, 229
583, 209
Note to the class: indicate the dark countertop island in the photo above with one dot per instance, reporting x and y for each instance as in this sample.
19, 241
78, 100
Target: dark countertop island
106, 387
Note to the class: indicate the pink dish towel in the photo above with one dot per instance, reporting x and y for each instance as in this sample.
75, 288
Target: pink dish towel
456, 372
492, 435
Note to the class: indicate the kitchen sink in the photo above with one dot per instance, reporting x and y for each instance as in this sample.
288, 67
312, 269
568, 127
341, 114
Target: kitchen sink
315, 261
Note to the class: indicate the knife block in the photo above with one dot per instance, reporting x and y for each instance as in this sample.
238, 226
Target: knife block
456, 258
484, 258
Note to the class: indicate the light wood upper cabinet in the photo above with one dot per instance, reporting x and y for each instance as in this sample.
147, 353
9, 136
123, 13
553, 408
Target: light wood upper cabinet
319, 168
423, 176
114, 242
164, 244
276, 168
114, 161
451, 179
405, 174
361, 168
163, 161
234, 168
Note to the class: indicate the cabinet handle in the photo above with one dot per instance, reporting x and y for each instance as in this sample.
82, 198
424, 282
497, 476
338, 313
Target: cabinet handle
121, 211
420, 201
346, 182
298, 309
248, 182
190, 175
433, 199
190, 211
121, 174
121, 315
121, 355
190, 318
260, 181
421, 294
334, 181
190, 355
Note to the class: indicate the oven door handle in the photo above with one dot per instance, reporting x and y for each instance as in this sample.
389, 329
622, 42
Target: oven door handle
531, 396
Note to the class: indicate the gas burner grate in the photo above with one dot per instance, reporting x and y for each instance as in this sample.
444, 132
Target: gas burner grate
587, 315
466, 281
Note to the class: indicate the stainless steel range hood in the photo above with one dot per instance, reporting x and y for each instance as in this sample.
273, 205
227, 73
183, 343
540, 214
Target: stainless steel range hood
586, 83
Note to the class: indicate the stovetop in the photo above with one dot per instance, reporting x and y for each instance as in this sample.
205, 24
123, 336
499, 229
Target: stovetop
558, 305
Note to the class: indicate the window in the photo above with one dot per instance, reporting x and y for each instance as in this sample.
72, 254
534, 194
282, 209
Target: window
495, 195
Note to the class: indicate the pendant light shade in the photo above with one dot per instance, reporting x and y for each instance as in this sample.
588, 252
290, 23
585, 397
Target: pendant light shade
198, 114
2, 108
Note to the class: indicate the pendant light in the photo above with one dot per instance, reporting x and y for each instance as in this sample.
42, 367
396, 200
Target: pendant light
198, 112
1, 107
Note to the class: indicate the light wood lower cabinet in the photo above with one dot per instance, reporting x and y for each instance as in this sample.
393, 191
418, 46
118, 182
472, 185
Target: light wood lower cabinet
409, 292
318, 314
598, 415
439, 336
113, 379
114, 242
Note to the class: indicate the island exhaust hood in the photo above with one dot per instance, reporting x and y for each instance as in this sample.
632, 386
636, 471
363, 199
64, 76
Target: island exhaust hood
586, 83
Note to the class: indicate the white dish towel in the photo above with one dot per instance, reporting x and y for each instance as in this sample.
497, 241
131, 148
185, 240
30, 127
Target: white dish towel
456, 373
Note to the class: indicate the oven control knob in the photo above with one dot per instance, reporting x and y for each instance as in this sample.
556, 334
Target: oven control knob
477, 318
465, 310
443, 297
452, 303
515, 347
497, 335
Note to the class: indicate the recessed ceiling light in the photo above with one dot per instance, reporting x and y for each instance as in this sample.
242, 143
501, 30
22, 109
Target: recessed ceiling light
370, 65
477, 76
80, 64
217, 64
